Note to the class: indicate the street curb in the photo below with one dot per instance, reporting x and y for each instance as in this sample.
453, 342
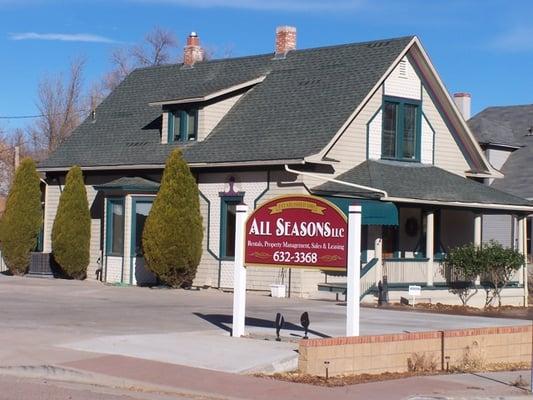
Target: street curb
72, 375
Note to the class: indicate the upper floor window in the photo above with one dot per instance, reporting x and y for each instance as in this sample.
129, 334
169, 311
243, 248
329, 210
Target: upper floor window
401, 130
182, 125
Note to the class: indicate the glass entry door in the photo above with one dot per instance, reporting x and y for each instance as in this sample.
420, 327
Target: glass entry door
140, 275
142, 209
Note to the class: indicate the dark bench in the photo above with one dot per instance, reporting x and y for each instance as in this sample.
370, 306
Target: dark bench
336, 288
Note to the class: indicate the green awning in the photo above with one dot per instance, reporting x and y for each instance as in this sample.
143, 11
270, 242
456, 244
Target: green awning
375, 212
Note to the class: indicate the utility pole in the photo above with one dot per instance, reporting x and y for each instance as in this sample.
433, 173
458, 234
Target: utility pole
17, 156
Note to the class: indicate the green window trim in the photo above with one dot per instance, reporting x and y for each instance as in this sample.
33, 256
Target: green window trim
399, 143
225, 201
109, 226
185, 133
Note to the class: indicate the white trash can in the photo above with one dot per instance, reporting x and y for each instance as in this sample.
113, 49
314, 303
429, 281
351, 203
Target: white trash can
277, 290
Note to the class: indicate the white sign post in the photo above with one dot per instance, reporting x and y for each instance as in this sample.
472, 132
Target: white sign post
414, 290
353, 290
239, 273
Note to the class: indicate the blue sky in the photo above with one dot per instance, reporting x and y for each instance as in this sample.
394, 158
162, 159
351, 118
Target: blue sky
484, 47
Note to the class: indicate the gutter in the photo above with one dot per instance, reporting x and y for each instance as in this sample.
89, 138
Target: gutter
317, 176
191, 165
461, 204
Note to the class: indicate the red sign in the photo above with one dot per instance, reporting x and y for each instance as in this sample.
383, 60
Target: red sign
297, 231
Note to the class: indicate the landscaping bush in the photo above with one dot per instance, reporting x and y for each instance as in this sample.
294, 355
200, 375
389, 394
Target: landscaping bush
491, 261
461, 267
22, 219
71, 233
173, 233
500, 264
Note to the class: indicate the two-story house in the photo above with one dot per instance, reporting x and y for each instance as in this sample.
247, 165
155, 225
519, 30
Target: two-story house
505, 134
369, 121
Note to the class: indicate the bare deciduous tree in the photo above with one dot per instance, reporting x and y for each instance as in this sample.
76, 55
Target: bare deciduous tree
8, 142
158, 48
59, 101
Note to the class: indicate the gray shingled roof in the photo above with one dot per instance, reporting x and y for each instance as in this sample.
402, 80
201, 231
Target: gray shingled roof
293, 113
417, 181
518, 178
502, 125
509, 126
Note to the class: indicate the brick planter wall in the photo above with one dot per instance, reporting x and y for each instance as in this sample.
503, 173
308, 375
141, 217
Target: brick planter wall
390, 353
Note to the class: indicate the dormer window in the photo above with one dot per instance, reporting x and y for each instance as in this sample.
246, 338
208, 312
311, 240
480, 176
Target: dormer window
182, 126
401, 129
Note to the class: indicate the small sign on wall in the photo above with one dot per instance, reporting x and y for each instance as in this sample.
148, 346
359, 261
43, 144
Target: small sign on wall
297, 231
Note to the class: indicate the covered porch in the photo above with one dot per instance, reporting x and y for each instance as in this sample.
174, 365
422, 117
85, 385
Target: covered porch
420, 214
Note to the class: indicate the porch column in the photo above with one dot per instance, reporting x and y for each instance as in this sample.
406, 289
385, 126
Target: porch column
430, 234
521, 247
477, 237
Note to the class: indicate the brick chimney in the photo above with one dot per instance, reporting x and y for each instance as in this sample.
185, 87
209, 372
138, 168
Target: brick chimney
285, 39
463, 102
192, 52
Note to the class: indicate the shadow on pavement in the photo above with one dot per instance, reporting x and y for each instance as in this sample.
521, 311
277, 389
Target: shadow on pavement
224, 321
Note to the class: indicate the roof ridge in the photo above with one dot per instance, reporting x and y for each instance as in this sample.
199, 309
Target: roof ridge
271, 54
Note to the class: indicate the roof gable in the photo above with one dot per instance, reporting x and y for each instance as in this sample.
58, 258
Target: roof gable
440, 96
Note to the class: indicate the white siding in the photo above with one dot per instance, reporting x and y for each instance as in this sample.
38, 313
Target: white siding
114, 269
95, 260
374, 137
498, 157
210, 115
403, 81
52, 195
127, 240
499, 228
426, 148
448, 154
211, 185
253, 184
164, 127
95, 235
53, 192
351, 148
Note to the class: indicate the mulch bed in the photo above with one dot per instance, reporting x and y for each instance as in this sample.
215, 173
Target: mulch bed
501, 312
344, 380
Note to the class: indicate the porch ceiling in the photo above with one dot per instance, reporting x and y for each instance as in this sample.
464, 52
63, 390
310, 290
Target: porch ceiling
421, 183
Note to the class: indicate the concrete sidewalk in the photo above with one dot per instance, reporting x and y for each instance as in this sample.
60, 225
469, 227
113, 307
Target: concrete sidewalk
214, 350
196, 381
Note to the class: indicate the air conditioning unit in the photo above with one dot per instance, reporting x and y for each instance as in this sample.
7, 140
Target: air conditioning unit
41, 264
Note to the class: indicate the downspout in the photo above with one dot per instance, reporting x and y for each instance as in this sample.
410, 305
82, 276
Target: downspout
317, 176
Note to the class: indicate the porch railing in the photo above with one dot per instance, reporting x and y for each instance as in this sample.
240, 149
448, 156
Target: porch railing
368, 280
405, 271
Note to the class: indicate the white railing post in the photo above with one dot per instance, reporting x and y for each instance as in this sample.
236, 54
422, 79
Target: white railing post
239, 273
378, 249
525, 274
430, 235
353, 291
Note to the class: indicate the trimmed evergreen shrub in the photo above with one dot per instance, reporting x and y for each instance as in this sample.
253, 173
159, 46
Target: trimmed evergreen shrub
173, 233
71, 233
22, 219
